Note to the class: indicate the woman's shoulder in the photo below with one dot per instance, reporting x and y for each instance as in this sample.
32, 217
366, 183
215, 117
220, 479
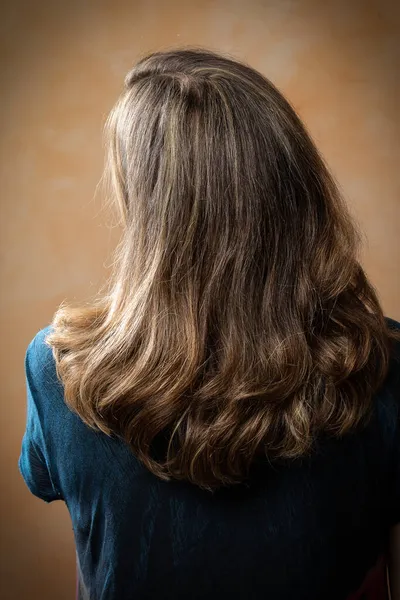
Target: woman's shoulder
41, 373
37, 345
39, 357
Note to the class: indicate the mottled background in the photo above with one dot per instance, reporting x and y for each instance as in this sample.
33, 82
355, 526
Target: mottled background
62, 67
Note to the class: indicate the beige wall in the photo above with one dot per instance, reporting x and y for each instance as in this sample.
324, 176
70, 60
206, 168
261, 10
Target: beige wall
62, 66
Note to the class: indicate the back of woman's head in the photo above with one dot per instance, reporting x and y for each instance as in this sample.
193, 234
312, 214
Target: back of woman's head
238, 321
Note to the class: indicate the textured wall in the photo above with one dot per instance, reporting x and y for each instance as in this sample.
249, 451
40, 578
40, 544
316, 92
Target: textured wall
62, 66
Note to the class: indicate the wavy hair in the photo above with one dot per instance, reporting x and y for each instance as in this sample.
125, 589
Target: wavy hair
237, 322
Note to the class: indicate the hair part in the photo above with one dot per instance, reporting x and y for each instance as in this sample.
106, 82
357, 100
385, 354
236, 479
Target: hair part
238, 321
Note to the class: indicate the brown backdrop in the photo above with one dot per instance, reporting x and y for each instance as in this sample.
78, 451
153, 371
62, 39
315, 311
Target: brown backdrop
62, 66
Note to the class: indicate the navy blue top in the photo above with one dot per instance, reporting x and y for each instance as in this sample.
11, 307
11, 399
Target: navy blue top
308, 530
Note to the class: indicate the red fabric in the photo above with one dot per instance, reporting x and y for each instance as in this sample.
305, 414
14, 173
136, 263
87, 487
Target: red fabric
374, 586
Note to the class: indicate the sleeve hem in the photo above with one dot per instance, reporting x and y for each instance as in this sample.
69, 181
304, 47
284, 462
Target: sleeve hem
32, 487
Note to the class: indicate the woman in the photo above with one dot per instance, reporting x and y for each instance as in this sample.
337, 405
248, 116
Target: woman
223, 420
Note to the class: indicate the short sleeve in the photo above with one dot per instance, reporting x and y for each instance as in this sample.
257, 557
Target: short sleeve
34, 463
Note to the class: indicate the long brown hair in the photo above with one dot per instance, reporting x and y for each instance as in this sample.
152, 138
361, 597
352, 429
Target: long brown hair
237, 321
